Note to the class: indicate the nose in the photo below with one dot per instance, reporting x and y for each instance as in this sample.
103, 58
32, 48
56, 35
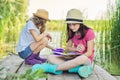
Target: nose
71, 26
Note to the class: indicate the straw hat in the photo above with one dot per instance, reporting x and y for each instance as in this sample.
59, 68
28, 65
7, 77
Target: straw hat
42, 13
74, 16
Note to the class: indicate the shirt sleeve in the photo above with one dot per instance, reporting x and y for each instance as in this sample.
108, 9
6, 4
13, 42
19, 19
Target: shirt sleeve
30, 25
90, 35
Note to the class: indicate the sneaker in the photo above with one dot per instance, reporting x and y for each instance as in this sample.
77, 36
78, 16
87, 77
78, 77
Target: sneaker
85, 71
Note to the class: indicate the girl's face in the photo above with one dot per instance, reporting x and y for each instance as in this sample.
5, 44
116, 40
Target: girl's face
74, 26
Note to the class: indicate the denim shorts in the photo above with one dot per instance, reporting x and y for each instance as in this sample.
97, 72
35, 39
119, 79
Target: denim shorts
25, 53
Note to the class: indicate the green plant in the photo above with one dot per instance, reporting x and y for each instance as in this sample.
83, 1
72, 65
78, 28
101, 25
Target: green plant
115, 37
107, 40
13, 15
28, 75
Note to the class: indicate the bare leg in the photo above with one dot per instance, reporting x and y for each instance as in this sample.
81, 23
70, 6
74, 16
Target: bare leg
39, 49
55, 60
38, 46
74, 62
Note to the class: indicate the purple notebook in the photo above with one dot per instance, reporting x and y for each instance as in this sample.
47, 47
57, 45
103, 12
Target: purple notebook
60, 53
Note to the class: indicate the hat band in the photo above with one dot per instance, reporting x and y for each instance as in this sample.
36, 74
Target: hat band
69, 19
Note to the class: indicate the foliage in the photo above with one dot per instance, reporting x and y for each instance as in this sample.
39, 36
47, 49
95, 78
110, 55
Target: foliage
28, 75
107, 41
114, 56
12, 17
55, 25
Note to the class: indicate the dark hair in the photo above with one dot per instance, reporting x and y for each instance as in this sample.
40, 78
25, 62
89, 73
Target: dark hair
82, 30
40, 23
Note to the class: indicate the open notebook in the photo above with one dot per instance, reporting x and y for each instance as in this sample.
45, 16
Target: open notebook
62, 54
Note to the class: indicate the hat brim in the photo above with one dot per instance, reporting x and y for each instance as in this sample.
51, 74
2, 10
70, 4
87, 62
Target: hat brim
73, 22
41, 17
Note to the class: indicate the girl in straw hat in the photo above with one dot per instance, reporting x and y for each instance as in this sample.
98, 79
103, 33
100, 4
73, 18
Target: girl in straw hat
80, 40
33, 39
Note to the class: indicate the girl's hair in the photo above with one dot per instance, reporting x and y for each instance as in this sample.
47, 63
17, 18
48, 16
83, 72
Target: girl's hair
40, 23
82, 30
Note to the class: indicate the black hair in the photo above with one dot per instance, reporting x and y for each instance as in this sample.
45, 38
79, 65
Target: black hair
82, 30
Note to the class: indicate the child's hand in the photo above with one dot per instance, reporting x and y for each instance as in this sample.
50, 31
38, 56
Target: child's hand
80, 48
48, 36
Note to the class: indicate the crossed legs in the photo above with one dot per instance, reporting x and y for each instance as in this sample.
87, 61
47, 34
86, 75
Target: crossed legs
65, 65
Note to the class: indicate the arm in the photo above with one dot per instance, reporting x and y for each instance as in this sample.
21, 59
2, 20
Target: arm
37, 37
70, 47
50, 47
90, 46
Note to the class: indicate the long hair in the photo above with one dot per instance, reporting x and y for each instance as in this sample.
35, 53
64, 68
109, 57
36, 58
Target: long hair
40, 23
82, 30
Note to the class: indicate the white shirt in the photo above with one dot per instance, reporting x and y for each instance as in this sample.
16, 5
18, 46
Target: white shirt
25, 36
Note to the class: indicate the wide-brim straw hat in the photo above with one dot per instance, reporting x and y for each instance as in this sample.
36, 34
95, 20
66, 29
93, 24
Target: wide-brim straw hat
74, 16
42, 13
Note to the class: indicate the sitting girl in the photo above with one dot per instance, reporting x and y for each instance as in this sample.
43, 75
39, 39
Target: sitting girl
80, 39
33, 39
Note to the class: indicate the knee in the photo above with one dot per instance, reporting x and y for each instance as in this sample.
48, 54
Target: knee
45, 41
82, 58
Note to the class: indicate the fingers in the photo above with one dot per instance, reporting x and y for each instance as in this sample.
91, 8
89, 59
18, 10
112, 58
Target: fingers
48, 36
80, 48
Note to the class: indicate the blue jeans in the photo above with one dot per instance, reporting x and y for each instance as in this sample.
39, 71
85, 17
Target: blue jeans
25, 53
